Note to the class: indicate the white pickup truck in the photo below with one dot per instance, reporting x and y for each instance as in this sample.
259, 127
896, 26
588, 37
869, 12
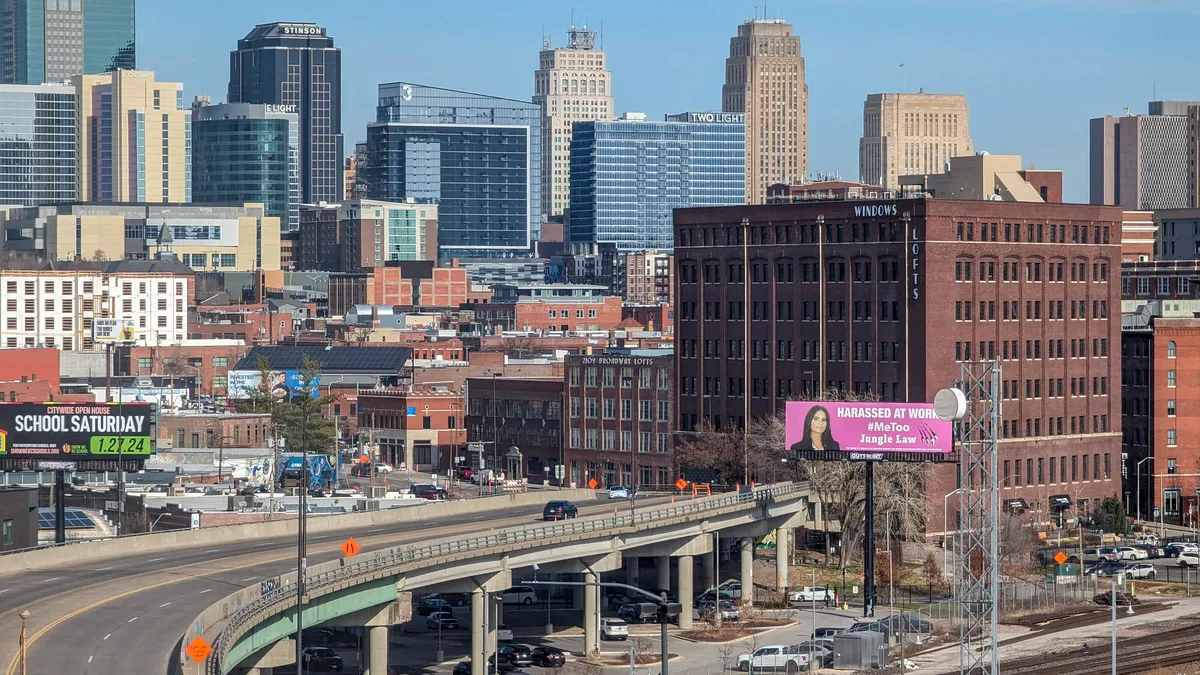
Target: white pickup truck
811, 594
776, 658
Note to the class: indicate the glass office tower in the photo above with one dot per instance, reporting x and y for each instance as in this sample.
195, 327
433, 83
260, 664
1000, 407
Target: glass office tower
297, 65
55, 40
37, 144
242, 152
629, 174
477, 157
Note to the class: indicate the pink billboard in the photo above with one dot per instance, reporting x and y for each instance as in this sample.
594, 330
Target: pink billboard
865, 430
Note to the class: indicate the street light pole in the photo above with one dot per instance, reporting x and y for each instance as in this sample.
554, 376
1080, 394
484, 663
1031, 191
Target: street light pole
24, 617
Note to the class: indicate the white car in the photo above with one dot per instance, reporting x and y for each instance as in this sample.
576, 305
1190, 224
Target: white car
614, 629
504, 633
1141, 571
1131, 553
383, 468
774, 658
1189, 559
810, 594
519, 595
620, 492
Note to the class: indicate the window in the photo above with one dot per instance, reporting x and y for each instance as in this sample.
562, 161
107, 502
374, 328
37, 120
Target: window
1170, 407
220, 361
1170, 378
1171, 349
1170, 437
6, 533
145, 364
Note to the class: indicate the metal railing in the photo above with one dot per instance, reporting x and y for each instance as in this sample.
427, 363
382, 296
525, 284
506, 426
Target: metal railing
397, 560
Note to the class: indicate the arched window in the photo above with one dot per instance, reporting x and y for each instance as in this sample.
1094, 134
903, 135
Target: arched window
564, 85
574, 86
591, 86
1171, 349
601, 86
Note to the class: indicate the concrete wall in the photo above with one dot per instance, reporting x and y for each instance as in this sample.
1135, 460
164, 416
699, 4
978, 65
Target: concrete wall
71, 556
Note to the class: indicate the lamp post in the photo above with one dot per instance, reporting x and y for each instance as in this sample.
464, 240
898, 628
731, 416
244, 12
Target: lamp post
1139, 485
24, 617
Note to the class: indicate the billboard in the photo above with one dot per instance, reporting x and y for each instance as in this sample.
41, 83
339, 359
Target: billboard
284, 383
867, 431
113, 330
75, 431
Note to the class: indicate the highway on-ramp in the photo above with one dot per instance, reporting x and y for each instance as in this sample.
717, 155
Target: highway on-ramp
125, 616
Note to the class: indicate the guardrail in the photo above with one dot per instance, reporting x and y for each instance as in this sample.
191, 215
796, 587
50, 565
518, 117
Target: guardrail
329, 577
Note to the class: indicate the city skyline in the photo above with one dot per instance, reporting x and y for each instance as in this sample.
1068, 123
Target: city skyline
664, 71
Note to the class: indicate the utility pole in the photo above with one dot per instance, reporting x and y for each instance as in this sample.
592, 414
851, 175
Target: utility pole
371, 452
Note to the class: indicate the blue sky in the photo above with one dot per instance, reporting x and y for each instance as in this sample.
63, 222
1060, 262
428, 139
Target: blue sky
1034, 71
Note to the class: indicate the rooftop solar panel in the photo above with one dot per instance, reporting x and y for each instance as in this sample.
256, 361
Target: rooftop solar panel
73, 518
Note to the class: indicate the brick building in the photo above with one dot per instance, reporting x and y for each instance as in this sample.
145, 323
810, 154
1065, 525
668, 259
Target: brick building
406, 284
415, 428
251, 323
356, 235
209, 364
1155, 281
891, 297
1139, 236
649, 277
618, 421
503, 412
549, 307
227, 430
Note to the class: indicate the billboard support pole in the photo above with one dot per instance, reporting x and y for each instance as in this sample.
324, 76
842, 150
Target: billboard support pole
869, 544
60, 506
107, 372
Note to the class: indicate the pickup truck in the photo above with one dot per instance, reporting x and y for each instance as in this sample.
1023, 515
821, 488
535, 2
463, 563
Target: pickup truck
810, 594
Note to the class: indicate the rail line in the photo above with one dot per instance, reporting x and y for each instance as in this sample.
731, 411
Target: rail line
1134, 655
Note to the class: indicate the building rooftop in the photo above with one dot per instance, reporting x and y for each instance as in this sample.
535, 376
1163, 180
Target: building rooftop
331, 359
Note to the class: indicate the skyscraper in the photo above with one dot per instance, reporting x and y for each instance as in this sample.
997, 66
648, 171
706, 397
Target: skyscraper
55, 40
37, 144
906, 134
133, 138
628, 175
571, 85
476, 156
296, 64
764, 78
1146, 162
243, 153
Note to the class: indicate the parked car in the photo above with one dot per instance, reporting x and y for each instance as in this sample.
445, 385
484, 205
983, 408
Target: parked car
1189, 559
430, 604
1105, 568
1152, 550
620, 492
1097, 554
361, 470
874, 627
519, 595
559, 509
1174, 548
819, 650
427, 491
827, 632
614, 629
548, 657
811, 594
1131, 553
517, 655
732, 587
1141, 571
441, 621
504, 633
330, 637
383, 468
464, 667
463, 473
774, 658
456, 599
729, 611
1150, 539
322, 660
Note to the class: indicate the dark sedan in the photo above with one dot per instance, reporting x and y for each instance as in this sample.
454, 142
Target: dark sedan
322, 660
441, 621
517, 655
559, 509
427, 491
548, 657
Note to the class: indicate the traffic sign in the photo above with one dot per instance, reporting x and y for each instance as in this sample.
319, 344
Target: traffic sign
351, 548
364, 459
862, 577
199, 650
592, 483
1060, 557
681, 483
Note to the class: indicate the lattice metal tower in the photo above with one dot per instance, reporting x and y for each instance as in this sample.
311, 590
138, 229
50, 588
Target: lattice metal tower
979, 510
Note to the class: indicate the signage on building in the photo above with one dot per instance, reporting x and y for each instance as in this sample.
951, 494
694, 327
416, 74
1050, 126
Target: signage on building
303, 30
616, 361
866, 431
68, 431
914, 264
143, 74
407, 92
731, 118
280, 107
283, 384
874, 210
113, 330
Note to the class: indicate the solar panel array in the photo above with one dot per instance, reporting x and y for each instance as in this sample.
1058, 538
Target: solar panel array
74, 519
337, 359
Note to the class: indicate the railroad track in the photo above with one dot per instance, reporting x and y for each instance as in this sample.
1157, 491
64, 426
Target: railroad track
1134, 655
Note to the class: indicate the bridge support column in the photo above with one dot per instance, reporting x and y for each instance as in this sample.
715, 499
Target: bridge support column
631, 570
377, 650
591, 623
708, 570
662, 568
783, 550
478, 612
747, 550
686, 573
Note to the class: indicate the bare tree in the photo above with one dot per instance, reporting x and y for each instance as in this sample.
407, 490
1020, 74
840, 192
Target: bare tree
99, 256
711, 449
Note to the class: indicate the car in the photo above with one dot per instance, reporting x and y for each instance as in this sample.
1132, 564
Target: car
712, 596
1131, 553
1105, 568
548, 657
1174, 548
519, 595
427, 491
1149, 539
811, 594
504, 633
886, 628
456, 599
1152, 550
819, 650
639, 612
620, 492
464, 667
732, 587
383, 468
615, 601
322, 660
774, 658
316, 492
463, 473
330, 637
517, 655
826, 632
441, 621
1141, 571
907, 623
559, 509
429, 605
728, 611
614, 629
1188, 559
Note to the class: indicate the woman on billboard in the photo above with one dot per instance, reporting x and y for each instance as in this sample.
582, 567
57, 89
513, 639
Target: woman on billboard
816, 432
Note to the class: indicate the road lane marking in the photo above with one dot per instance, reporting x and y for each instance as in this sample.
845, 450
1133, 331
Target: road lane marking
163, 605
90, 657
249, 579
4, 591
103, 569
205, 591
212, 550
108, 636
375, 530
132, 620
46, 581
155, 559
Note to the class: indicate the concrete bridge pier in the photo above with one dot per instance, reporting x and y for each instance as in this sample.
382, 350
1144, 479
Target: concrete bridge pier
377, 622
662, 570
591, 614
478, 612
783, 550
708, 571
746, 547
686, 573
631, 570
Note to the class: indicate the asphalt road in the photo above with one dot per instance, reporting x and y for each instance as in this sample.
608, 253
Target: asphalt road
126, 615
